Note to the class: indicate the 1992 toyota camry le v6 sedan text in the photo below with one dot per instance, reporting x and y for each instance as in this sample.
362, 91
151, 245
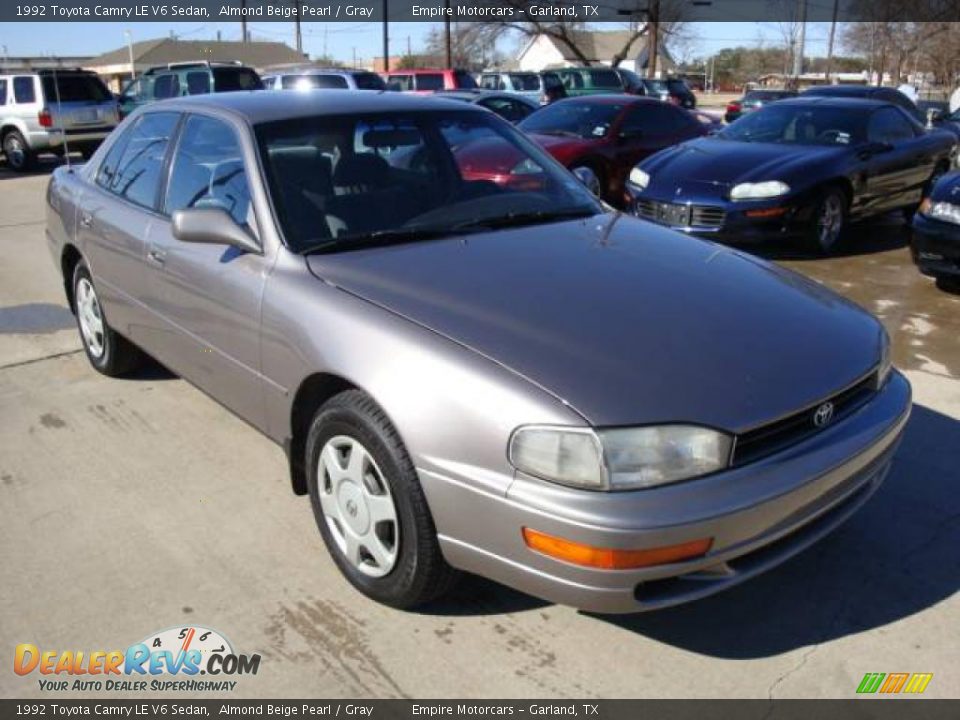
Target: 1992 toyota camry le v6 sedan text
515, 383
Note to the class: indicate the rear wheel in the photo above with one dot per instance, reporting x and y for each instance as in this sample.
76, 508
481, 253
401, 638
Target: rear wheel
369, 505
108, 352
829, 220
19, 155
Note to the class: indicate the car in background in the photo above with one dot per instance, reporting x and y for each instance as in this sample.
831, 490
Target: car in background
527, 84
634, 84
868, 92
680, 93
311, 78
601, 137
51, 111
187, 78
428, 81
754, 100
588, 80
509, 106
464, 376
935, 245
801, 167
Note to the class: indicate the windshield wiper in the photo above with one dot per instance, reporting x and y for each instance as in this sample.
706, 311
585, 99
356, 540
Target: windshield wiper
381, 238
516, 219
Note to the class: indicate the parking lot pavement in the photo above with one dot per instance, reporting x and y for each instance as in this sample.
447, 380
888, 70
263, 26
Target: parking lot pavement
129, 506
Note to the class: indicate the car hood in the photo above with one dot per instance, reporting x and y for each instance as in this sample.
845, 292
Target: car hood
727, 162
627, 322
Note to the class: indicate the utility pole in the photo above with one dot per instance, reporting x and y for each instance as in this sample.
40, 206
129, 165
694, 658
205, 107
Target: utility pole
354, 56
653, 21
133, 69
801, 38
446, 32
296, 22
243, 20
386, 39
833, 30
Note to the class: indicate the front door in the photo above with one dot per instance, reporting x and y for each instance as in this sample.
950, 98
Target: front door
208, 295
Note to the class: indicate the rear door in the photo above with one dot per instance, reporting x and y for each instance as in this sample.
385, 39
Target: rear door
115, 215
206, 297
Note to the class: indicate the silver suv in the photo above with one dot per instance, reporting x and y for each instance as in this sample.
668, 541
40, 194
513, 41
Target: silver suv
52, 110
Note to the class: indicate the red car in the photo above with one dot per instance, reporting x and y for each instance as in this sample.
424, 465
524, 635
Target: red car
428, 81
599, 138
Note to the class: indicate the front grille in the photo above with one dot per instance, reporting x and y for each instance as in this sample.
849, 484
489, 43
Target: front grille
680, 214
768, 439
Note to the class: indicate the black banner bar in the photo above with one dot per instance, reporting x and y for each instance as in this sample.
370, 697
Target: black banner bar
874, 708
541, 11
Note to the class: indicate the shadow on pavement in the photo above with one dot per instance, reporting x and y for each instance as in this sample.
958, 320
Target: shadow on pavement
877, 235
898, 556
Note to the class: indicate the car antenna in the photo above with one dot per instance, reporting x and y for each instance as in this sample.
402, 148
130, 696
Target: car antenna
63, 129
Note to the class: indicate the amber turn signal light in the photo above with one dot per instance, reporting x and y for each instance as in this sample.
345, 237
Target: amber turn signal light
612, 558
766, 212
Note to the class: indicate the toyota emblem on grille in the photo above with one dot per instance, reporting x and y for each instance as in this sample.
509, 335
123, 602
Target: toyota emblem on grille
823, 415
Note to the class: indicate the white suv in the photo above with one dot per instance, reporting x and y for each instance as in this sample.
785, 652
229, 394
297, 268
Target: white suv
52, 110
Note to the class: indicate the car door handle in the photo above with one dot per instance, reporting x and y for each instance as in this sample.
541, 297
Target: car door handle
157, 256
86, 220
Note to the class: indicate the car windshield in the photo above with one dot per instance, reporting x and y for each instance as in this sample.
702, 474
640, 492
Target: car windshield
573, 119
525, 82
76, 87
228, 79
798, 125
346, 182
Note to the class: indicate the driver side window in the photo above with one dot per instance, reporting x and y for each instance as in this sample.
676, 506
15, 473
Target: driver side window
208, 171
888, 125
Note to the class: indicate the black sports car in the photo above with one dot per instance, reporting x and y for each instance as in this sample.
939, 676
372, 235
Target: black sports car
936, 231
799, 167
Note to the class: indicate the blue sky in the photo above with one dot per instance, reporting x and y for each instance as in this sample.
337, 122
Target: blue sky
340, 39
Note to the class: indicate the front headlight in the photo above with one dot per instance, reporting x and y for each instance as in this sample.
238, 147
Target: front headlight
639, 178
758, 191
947, 212
619, 459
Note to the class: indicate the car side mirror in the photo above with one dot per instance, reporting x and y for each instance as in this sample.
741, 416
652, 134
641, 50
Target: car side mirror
214, 226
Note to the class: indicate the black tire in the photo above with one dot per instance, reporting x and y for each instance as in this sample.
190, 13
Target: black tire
831, 201
20, 158
117, 356
420, 573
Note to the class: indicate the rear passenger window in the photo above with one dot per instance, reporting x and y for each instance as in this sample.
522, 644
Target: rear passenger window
166, 86
135, 174
330, 81
400, 82
208, 170
198, 83
430, 81
3, 92
23, 91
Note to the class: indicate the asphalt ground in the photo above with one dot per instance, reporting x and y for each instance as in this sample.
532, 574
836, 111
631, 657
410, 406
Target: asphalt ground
129, 506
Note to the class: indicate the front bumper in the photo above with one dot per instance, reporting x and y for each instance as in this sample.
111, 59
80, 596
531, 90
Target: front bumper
758, 515
792, 219
935, 247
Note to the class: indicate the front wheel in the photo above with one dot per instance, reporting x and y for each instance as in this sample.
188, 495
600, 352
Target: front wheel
829, 220
369, 505
590, 178
108, 352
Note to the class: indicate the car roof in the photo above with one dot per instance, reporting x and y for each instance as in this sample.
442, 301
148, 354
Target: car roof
847, 90
610, 99
853, 103
314, 70
259, 106
420, 71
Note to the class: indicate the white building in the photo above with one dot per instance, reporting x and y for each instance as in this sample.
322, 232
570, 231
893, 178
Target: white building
543, 52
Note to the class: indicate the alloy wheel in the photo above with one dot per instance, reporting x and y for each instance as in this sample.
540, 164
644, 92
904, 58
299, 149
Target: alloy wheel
358, 506
829, 221
15, 152
90, 317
